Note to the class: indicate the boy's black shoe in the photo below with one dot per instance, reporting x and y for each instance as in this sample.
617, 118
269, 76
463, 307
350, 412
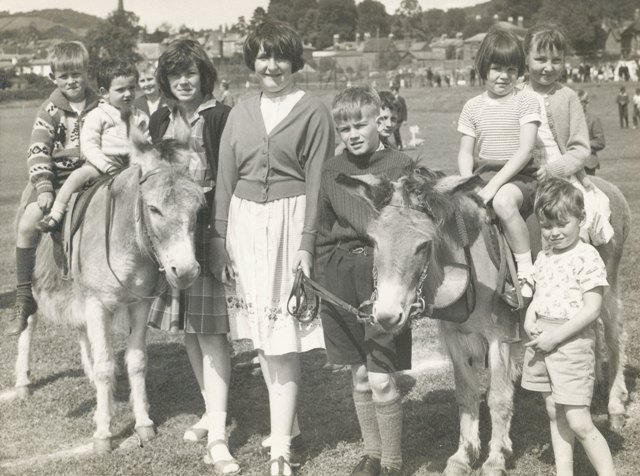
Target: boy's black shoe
18, 321
368, 466
387, 471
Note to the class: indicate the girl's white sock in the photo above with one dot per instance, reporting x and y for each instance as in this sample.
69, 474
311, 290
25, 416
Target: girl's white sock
524, 264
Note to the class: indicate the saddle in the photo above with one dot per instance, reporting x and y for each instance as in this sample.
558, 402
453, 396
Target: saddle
72, 220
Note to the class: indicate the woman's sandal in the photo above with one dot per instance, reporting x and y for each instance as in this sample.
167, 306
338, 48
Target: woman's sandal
195, 434
282, 463
48, 224
222, 466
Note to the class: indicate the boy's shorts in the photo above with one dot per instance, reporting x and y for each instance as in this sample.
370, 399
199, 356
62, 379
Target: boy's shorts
568, 372
349, 342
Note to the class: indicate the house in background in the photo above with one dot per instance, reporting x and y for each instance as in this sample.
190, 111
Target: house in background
623, 37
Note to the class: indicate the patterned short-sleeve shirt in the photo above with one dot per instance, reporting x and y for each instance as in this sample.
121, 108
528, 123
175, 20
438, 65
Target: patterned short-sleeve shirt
199, 166
562, 279
495, 123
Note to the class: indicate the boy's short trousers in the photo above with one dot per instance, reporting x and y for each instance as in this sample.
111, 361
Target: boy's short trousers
568, 372
349, 342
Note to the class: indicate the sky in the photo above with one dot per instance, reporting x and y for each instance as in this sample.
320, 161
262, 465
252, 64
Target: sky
197, 14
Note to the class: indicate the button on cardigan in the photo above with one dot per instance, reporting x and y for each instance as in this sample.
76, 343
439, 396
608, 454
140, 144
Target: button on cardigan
287, 162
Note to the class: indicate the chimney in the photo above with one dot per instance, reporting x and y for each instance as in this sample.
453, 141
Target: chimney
521, 21
510, 19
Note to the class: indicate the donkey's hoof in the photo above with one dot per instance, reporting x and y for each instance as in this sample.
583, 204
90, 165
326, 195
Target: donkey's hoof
617, 421
22, 392
102, 446
145, 433
457, 468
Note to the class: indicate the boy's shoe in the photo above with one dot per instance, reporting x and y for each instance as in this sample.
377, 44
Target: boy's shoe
368, 466
387, 471
510, 294
48, 224
18, 320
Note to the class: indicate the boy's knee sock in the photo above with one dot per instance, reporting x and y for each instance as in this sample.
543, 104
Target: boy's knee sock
25, 264
366, 411
390, 424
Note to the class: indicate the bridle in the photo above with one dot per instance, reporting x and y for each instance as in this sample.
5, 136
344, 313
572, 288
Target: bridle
142, 234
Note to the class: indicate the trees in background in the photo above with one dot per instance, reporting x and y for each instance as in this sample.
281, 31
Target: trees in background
115, 38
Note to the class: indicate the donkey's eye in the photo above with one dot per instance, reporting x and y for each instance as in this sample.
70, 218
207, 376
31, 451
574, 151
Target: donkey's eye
154, 210
422, 246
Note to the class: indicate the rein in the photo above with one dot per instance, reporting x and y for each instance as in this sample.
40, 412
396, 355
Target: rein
305, 314
109, 210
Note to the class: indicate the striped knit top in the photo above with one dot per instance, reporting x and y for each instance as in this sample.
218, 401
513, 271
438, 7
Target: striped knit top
54, 147
343, 218
495, 123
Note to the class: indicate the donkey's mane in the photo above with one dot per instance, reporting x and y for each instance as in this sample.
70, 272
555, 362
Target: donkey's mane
439, 196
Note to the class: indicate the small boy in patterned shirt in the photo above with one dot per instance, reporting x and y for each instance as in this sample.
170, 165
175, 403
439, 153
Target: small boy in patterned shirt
570, 278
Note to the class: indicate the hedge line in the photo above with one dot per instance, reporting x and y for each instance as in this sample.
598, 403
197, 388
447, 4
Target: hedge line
22, 94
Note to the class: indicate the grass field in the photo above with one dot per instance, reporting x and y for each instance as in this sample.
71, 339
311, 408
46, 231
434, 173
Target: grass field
57, 417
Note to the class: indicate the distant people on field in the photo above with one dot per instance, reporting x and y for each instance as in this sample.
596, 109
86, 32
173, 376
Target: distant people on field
226, 97
636, 109
622, 99
401, 107
151, 99
596, 135
623, 73
54, 152
472, 76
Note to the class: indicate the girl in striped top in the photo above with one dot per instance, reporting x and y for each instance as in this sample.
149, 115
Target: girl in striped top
501, 125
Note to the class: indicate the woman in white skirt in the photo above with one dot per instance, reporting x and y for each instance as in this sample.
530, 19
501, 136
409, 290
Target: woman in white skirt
271, 156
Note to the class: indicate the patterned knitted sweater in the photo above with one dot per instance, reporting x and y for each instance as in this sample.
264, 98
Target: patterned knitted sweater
54, 147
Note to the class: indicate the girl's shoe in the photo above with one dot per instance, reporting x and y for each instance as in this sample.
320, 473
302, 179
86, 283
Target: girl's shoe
224, 466
296, 457
510, 294
48, 224
282, 465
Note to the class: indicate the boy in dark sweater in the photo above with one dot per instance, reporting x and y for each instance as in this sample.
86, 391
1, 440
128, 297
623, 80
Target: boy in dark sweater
345, 259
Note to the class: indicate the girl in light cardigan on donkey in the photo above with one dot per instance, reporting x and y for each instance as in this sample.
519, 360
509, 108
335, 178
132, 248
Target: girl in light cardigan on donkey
563, 146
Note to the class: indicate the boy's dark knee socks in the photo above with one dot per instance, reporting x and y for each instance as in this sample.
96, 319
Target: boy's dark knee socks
390, 423
366, 412
25, 264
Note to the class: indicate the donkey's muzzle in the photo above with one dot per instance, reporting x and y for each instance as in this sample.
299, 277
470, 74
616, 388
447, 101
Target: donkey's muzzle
181, 277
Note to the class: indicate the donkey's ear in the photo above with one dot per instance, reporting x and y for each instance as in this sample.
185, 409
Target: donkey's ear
377, 192
455, 183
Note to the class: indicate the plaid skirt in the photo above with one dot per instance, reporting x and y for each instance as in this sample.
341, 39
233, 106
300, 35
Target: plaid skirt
200, 309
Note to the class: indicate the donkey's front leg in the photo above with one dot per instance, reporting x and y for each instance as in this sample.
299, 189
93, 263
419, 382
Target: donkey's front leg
500, 406
103, 371
468, 398
136, 359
